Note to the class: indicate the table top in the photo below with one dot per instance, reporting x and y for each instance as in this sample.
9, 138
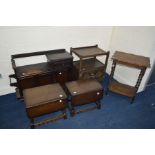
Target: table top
43, 94
83, 86
132, 60
58, 56
88, 51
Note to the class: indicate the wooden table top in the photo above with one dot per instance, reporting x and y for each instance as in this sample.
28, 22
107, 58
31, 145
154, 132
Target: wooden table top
88, 51
59, 56
83, 86
132, 60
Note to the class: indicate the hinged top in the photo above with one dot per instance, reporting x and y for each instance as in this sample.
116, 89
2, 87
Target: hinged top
90, 51
83, 86
132, 60
43, 94
58, 56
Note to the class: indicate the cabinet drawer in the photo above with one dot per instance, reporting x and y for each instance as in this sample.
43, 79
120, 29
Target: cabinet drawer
63, 76
59, 65
87, 97
28, 83
35, 81
46, 108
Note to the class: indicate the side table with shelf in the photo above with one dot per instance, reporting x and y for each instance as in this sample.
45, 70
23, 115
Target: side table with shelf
130, 60
89, 67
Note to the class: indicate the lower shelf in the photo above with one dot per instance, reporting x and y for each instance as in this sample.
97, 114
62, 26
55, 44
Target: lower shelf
122, 89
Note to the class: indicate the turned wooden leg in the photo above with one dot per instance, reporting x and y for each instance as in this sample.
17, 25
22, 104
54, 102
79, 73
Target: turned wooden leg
113, 67
32, 123
140, 77
98, 103
64, 113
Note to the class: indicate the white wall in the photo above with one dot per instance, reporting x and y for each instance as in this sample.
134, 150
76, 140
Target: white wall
15, 40
136, 40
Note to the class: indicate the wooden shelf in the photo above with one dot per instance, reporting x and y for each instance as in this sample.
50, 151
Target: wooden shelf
89, 64
122, 89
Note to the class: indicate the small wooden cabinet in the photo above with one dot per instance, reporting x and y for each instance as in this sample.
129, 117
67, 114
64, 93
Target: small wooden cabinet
88, 67
130, 60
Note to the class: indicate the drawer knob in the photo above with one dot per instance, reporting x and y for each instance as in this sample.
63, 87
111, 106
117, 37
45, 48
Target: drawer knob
98, 93
60, 73
60, 101
60, 95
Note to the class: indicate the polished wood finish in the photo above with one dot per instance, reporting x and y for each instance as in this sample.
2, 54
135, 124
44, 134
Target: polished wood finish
89, 67
122, 89
57, 69
130, 60
44, 100
84, 92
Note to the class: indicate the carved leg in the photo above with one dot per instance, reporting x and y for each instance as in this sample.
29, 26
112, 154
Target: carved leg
32, 123
140, 77
98, 103
64, 113
113, 67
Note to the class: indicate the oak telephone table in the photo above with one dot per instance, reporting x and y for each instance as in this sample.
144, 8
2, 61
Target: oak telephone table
130, 60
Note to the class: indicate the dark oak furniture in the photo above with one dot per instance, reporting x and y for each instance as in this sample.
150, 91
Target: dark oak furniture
57, 69
89, 67
130, 60
43, 100
84, 92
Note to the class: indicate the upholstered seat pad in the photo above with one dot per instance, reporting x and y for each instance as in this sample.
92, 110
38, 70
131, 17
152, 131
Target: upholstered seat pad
43, 94
83, 86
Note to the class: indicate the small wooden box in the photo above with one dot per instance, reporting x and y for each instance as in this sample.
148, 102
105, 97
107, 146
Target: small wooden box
43, 100
84, 92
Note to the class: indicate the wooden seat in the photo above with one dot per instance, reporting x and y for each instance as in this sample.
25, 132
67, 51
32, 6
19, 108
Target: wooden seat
43, 100
84, 92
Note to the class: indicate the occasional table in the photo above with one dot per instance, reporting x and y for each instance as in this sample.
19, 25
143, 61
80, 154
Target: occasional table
88, 67
130, 60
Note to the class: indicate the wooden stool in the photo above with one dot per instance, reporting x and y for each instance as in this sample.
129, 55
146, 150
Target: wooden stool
83, 92
43, 100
